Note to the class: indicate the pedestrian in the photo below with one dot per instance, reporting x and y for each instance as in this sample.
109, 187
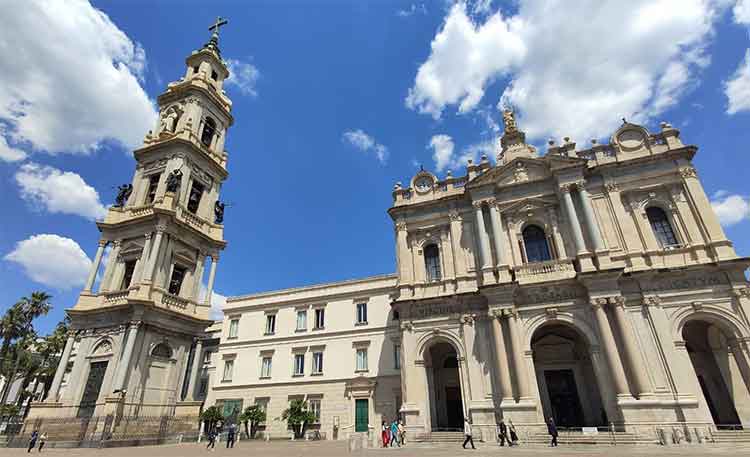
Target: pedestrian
32, 440
552, 430
230, 435
402, 432
502, 433
513, 434
467, 434
42, 440
394, 433
384, 433
211, 439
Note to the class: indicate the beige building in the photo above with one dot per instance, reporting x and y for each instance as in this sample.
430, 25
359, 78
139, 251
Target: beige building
594, 286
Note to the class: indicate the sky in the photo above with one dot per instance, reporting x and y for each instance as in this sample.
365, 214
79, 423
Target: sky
334, 102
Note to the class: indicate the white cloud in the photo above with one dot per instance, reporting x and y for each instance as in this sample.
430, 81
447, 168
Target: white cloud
442, 147
730, 208
741, 12
737, 87
9, 153
74, 79
244, 76
447, 158
568, 74
364, 142
217, 303
413, 9
58, 192
52, 260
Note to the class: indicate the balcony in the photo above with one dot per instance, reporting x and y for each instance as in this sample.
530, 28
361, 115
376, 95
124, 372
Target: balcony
551, 270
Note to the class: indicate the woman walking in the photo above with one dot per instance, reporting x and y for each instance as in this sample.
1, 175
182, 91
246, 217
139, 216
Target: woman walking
467, 434
513, 435
552, 430
42, 440
384, 433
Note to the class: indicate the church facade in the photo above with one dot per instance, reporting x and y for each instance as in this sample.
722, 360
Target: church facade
593, 286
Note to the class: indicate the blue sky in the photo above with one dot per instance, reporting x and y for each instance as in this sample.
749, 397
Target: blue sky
334, 102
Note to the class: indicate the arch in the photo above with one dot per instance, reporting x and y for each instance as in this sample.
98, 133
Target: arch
209, 131
661, 225
437, 336
162, 350
712, 314
432, 262
535, 244
102, 347
577, 323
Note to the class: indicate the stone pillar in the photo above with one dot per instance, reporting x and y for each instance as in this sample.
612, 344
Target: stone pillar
588, 215
610, 347
200, 267
633, 245
484, 246
95, 267
632, 355
110, 268
501, 358
403, 254
124, 363
575, 224
519, 367
195, 370
455, 232
54, 389
143, 261
149, 272
497, 239
211, 277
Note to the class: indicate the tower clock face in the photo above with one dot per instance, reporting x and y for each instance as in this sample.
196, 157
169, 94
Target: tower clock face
423, 184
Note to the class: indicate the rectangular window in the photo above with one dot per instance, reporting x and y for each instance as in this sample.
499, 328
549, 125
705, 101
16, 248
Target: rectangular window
128, 277
207, 357
228, 369
234, 325
263, 404
361, 313
301, 320
361, 359
265, 367
320, 318
203, 388
314, 407
317, 362
153, 184
397, 356
194, 199
175, 283
299, 364
270, 324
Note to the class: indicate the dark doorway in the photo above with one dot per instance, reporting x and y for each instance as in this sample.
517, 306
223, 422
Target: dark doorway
92, 389
563, 397
361, 415
454, 406
444, 382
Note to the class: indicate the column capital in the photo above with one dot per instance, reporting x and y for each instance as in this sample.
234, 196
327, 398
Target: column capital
651, 301
161, 228
103, 243
688, 172
492, 201
135, 325
477, 204
117, 243
400, 226
564, 188
148, 235
579, 185
215, 256
454, 215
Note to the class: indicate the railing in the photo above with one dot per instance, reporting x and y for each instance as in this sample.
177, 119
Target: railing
142, 210
538, 270
191, 218
173, 301
117, 296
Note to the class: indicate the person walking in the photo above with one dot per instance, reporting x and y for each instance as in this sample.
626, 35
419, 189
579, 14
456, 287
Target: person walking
552, 430
42, 440
394, 433
32, 440
384, 433
502, 433
513, 434
231, 435
402, 432
467, 434
211, 439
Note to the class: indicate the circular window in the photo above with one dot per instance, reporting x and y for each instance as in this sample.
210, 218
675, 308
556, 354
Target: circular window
630, 139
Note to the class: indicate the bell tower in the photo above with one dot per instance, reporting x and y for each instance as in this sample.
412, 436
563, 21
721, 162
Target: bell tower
135, 335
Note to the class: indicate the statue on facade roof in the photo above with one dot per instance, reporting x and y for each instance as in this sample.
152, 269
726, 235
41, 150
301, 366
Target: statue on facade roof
509, 121
219, 212
173, 181
123, 193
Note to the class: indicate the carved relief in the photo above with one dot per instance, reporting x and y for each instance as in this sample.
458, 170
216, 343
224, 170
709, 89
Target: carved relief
689, 282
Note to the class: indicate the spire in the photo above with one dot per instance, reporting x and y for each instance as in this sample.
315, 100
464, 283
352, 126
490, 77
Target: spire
213, 43
513, 141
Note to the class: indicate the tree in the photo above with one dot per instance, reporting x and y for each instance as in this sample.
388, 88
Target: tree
211, 416
254, 415
297, 416
49, 350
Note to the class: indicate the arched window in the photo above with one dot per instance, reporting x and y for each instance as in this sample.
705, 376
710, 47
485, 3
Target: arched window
661, 227
535, 243
162, 350
209, 129
432, 262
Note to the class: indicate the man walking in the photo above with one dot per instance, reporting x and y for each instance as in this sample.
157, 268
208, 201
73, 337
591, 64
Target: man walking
32, 440
513, 434
230, 435
394, 433
552, 430
503, 433
211, 439
467, 434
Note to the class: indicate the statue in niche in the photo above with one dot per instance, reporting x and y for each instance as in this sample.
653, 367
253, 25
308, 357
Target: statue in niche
173, 181
219, 212
123, 193
169, 121
520, 174
509, 121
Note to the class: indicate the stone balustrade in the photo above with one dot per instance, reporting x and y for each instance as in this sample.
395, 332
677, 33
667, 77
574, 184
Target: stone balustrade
551, 270
117, 297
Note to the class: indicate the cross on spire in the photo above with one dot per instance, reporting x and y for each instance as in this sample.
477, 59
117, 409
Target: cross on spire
215, 27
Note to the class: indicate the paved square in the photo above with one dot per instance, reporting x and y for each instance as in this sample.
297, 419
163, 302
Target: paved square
339, 449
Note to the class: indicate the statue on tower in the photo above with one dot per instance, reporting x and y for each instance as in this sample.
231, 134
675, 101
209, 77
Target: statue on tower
509, 121
219, 212
169, 121
123, 193
173, 181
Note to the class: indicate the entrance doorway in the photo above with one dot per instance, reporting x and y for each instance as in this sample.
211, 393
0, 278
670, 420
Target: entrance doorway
361, 415
446, 402
715, 368
567, 384
92, 389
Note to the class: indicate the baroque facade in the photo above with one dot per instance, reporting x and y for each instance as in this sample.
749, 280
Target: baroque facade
135, 336
594, 286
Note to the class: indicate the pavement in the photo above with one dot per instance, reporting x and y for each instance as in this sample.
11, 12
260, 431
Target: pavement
339, 449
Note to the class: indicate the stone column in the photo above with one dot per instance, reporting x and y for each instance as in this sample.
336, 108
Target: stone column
501, 358
143, 261
127, 355
455, 232
402, 253
195, 370
54, 389
200, 267
485, 254
631, 237
149, 272
110, 269
575, 224
610, 348
211, 277
635, 361
95, 267
708, 219
588, 215
519, 367
498, 233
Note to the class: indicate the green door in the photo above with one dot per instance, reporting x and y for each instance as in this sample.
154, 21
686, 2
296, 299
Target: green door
361, 415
